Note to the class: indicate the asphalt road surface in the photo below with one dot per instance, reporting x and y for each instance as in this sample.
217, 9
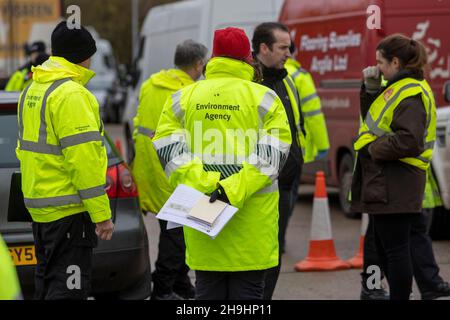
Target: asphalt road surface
292, 285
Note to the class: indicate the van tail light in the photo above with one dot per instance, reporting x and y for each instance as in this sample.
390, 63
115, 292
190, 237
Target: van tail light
120, 183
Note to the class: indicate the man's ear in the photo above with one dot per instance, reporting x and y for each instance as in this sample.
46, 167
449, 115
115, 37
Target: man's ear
264, 48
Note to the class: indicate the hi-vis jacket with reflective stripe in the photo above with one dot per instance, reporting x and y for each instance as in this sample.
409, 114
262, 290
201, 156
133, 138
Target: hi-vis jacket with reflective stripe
432, 197
315, 126
19, 80
378, 120
228, 130
61, 148
154, 188
9, 282
298, 114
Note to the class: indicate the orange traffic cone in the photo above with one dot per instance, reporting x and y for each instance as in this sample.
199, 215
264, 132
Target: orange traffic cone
322, 254
119, 146
358, 260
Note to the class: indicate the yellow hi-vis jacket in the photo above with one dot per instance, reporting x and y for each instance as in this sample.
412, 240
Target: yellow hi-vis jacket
230, 131
61, 145
154, 188
9, 282
315, 126
19, 80
380, 115
432, 197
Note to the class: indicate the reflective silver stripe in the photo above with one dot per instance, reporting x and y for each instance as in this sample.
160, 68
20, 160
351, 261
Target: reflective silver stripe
43, 126
22, 102
276, 143
429, 145
312, 113
391, 101
52, 201
299, 72
173, 165
373, 126
266, 103
40, 148
309, 98
296, 74
265, 167
423, 159
270, 189
293, 89
176, 105
146, 132
80, 138
166, 141
92, 192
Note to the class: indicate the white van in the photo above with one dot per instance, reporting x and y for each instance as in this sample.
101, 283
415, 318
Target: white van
168, 25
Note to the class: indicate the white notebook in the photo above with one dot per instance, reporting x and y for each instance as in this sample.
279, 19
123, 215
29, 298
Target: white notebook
189, 207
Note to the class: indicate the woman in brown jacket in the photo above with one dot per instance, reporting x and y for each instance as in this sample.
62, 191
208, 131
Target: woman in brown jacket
393, 151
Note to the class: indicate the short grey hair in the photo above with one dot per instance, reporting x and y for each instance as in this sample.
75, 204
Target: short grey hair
188, 53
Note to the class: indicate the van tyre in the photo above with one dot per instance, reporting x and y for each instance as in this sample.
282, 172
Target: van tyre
345, 183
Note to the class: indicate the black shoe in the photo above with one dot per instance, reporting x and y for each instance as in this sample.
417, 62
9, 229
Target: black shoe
374, 294
441, 290
167, 296
188, 294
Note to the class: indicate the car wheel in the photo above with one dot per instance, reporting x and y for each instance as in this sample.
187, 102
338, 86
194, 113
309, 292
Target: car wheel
345, 183
439, 226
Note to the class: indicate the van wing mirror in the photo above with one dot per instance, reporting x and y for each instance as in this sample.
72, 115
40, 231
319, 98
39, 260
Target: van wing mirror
447, 91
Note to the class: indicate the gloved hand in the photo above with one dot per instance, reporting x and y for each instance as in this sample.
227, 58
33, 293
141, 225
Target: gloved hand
372, 79
322, 154
219, 194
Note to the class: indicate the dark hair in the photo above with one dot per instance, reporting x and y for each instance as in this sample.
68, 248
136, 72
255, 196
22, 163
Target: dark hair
411, 53
264, 34
188, 53
292, 48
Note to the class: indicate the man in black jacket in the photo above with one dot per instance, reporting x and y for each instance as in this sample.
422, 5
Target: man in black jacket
271, 42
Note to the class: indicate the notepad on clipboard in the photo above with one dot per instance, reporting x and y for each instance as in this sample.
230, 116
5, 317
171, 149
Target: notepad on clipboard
191, 208
206, 212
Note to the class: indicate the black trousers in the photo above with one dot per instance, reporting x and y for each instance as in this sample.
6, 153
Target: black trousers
286, 205
392, 242
425, 268
171, 271
241, 285
64, 258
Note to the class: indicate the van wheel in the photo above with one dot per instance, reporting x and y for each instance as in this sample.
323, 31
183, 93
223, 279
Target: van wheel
345, 183
439, 228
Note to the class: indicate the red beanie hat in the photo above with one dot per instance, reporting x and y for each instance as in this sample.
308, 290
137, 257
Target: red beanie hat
232, 43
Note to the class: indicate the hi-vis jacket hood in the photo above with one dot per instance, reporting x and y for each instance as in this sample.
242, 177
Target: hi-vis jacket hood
229, 68
173, 79
56, 68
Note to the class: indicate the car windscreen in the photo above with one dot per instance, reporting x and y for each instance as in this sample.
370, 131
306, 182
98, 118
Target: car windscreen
8, 141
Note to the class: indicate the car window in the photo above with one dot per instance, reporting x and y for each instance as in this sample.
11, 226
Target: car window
8, 141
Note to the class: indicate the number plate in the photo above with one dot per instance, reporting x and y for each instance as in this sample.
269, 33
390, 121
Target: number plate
23, 256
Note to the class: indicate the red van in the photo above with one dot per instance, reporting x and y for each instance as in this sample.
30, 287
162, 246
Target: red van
336, 40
